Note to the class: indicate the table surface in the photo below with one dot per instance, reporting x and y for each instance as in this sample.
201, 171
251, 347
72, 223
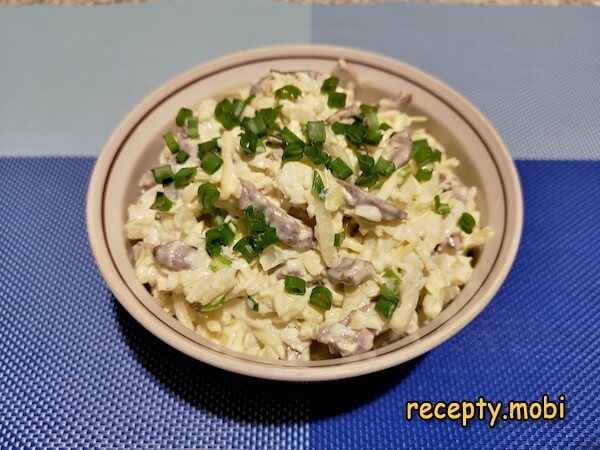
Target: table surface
77, 370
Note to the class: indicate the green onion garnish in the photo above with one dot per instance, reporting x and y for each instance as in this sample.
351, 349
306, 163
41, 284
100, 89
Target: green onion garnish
163, 174
208, 194
219, 217
289, 92
260, 241
256, 220
441, 208
424, 174
336, 100
268, 115
255, 124
356, 133
223, 260
252, 304
249, 142
338, 238
330, 85
161, 202
181, 157
317, 185
365, 162
171, 142
211, 163
371, 122
384, 167
367, 179
321, 297
185, 176
293, 152
244, 246
214, 305
339, 127
316, 132
294, 285
386, 306
384, 127
467, 222
225, 114
366, 110
373, 137
392, 280
340, 169
316, 155
182, 115
217, 237
237, 107
207, 147
192, 128
423, 154
289, 137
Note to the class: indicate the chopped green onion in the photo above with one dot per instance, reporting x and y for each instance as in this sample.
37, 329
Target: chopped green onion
316, 155
371, 122
392, 280
192, 128
467, 222
293, 152
219, 217
211, 163
163, 174
366, 110
182, 115
171, 142
385, 306
214, 305
340, 169
321, 297
373, 137
330, 85
237, 107
384, 167
181, 157
249, 142
336, 100
207, 147
316, 132
208, 194
384, 127
294, 285
244, 246
367, 179
161, 202
252, 304
268, 115
185, 176
339, 127
225, 114
441, 208
317, 186
356, 133
256, 220
366, 163
338, 238
217, 237
424, 174
423, 154
260, 241
289, 137
289, 92
255, 124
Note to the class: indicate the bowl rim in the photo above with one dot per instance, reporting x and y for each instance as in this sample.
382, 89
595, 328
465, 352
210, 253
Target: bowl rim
508, 245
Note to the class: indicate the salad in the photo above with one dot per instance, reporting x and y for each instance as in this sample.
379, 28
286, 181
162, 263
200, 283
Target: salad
289, 220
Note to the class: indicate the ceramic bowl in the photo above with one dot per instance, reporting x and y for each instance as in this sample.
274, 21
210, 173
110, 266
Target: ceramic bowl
134, 146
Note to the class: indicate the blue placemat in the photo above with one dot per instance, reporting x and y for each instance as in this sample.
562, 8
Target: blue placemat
77, 371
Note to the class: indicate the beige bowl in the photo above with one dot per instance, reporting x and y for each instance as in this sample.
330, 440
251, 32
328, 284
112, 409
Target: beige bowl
134, 146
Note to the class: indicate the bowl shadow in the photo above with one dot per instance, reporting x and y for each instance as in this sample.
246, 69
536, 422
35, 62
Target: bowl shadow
246, 399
